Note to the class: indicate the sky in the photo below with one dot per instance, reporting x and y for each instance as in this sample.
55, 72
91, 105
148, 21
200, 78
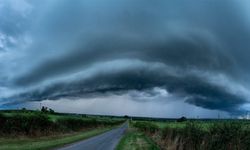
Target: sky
126, 57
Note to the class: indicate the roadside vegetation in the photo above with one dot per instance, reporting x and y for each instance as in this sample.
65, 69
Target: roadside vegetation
48, 142
26, 129
198, 135
35, 123
136, 140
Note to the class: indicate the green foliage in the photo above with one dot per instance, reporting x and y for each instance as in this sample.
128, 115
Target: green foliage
39, 124
24, 109
146, 126
51, 111
48, 142
2, 119
47, 110
26, 125
230, 135
76, 123
126, 117
136, 140
182, 119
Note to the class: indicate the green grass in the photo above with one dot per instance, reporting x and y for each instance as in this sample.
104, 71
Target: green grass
205, 125
135, 140
56, 116
162, 125
43, 143
34, 130
198, 134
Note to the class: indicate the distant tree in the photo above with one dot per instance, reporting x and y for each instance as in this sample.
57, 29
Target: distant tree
126, 117
51, 111
44, 109
182, 119
24, 109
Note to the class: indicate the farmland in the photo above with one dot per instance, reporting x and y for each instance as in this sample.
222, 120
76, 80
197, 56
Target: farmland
136, 140
37, 130
25, 129
197, 134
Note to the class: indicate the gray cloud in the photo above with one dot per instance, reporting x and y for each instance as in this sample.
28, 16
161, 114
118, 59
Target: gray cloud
142, 77
89, 48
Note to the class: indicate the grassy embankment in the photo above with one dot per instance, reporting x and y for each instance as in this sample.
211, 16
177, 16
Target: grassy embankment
136, 140
36, 130
198, 135
48, 142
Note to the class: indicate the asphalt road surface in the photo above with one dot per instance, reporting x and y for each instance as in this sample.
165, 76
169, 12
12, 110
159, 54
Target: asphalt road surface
105, 141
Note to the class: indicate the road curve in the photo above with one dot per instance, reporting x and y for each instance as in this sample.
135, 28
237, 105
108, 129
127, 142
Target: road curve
105, 141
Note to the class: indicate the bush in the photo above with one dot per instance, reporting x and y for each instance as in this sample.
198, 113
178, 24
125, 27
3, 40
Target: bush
182, 119
37, 124
26, 125
71, 123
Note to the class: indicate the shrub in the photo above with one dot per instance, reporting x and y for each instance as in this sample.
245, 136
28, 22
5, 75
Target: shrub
37, 124
182, 119
71, 123
26, 125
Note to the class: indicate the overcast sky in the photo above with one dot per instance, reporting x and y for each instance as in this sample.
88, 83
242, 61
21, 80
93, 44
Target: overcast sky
138, 57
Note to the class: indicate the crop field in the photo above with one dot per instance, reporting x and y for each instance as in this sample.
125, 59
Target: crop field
198, 135
37, 130
25, 129
205, 125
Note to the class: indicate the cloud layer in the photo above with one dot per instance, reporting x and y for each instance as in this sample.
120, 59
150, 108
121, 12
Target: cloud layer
196, 51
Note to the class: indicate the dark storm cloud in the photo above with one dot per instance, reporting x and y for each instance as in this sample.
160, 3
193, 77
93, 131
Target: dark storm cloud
92, 47
177, 52
194, 89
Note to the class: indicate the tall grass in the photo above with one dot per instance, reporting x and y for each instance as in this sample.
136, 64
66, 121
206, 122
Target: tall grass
148, 127
220, 135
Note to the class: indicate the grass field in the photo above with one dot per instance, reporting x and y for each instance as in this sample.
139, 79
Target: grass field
203, 124
34, 130
197, 134
135, 140
44, 143
56, 116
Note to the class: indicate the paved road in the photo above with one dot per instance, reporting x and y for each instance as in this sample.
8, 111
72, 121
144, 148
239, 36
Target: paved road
105, 141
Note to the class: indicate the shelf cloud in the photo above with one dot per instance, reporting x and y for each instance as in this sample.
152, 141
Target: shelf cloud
196, 51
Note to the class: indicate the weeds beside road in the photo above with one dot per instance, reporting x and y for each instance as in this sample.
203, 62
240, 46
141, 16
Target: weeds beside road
196, 135
48, 142
136, 140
